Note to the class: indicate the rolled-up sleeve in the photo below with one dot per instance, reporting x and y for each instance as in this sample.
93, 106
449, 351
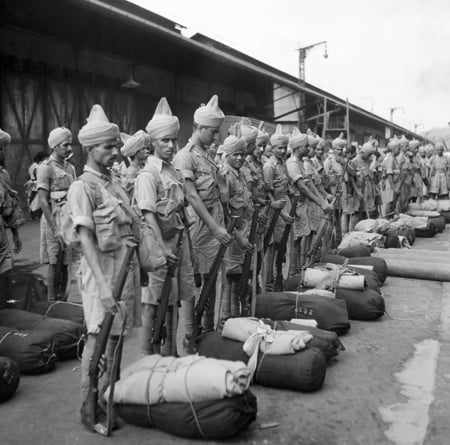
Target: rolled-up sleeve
146, 191
294, 171
183, 162
268, 176
43, 175
80, 207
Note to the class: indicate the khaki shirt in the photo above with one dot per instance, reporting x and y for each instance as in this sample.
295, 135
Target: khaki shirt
276, 177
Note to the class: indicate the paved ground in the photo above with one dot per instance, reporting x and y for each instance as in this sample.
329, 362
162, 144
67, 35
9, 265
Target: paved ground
390, 386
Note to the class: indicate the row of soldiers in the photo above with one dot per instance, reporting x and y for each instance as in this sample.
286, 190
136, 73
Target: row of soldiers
256, 183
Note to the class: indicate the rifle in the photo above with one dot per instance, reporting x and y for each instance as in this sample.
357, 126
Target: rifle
89, 409
208, 287
273, 223
282, 247
316, 241
159, 333
243, 287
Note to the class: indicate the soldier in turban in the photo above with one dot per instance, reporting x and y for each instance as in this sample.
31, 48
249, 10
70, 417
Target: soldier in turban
94, 200
439, 173
201, 188
53, 179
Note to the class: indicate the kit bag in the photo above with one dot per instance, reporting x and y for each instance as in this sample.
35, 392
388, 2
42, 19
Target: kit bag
379, 264
363, 305
303, 371
60, 309
427, 232
438, 222
9, 378
212, 420
31, 350
357, 250
330, 314
66, 334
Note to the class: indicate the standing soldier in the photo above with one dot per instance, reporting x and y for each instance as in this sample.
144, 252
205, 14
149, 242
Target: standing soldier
201, 189
302, 227
419, 172
362, 172
406, 174
236, 197
277, 188
160, 197
439, 170
94, 200
7, 219
393, 183
54, 177
136, 148
255, 165
334, 167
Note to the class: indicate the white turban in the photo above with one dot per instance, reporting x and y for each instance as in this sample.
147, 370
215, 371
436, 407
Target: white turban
209, 115
58, 136
232, 144
368, 147
298, 139
278, 138
98, 128
133, 144
404, 141
414, 143
439, 145
248, 131
262, 137
163, 123
339, 142
394, 143
5, 138
313, 140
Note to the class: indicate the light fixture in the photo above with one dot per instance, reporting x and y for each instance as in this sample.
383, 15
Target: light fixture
130, 83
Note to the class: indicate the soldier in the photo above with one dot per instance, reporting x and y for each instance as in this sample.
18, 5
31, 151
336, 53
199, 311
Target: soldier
406, 175
334, 167
7, 219
160, 197
419, 172
54, 177
393, 183
95, 199
439, 171
236, 196
255, 165
362, 171
302, 226
276, 183
201, 189
136, 148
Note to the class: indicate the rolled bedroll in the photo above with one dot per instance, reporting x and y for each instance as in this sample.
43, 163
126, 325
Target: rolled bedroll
303, 371
430, 255
420, 270
9, 378
378, 264
66, 334
330, 314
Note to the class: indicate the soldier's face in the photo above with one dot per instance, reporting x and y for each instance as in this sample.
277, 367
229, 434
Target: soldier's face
236, 160
142, 154
259, 150
279, 151
250, 147
208, 135
105, 154
165, 148
439, 151
64, 149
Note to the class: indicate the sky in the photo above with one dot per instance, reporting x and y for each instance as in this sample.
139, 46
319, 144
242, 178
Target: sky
381, 53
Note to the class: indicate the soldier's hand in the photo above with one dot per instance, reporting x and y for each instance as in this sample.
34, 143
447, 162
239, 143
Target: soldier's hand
279, 204
17, 243
287, 218
262, 220
326, 207
171, 258
222, 235
106, 296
